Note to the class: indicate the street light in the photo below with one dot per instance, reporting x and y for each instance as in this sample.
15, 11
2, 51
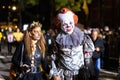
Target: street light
14, 8
10, 10
3, 7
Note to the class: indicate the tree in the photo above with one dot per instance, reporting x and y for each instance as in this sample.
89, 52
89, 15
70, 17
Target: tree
74, 5
22, 5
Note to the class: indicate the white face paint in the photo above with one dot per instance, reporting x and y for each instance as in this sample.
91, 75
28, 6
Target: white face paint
67, 26
35, 33
67, 22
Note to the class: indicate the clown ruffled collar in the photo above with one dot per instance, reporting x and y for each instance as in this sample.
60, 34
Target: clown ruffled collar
70, 40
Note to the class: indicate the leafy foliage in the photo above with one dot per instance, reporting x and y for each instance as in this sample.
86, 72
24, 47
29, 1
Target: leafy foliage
22, 4
33, 2
74, 5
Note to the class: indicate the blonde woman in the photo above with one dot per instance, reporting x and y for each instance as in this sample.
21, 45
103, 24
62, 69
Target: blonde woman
99, 50
33, 54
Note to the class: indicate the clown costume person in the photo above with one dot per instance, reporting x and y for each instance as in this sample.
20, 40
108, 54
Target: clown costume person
69, 58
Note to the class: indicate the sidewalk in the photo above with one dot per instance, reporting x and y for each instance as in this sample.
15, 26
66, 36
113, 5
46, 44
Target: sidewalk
5, 61
1, 78
104, 75
5, 64
108, 75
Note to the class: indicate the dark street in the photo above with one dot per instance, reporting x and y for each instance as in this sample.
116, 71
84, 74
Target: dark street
5, 62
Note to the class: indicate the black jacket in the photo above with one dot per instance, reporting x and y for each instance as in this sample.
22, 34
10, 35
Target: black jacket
16, 59
98, 43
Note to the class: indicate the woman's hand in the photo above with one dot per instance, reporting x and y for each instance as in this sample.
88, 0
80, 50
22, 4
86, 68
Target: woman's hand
26, 67
97, 49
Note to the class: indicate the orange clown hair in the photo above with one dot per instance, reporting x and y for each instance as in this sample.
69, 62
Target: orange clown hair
63, 11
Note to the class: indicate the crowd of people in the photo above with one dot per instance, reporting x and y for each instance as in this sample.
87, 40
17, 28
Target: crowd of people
9, 37
67, 52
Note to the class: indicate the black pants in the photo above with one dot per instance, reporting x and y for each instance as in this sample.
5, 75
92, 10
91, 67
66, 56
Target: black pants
9, 48
0, 47
87, 72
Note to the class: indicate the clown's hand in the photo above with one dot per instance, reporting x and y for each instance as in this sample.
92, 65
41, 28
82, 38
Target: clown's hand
56, 77
53, 70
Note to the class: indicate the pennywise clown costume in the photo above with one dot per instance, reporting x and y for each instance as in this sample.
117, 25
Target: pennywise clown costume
69, 57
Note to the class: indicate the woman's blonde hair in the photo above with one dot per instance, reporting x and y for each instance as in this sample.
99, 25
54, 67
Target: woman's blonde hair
27, 39
96, 30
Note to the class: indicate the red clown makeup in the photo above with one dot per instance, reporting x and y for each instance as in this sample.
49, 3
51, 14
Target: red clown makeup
67, 22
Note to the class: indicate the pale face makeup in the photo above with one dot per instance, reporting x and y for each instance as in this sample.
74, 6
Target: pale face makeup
67, 22
68, 26
35, 33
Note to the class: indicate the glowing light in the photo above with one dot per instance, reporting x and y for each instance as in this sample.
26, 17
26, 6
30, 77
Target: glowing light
14, 8
9, 7
16, 26
3, 7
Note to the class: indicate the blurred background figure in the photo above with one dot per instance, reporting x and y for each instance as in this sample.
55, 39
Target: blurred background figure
0, 40
99, 49
10, 39
18, 35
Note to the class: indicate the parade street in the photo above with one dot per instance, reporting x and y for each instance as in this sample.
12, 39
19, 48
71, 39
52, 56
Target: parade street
5, 62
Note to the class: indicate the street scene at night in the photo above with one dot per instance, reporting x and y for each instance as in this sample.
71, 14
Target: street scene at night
59, 40
5, 62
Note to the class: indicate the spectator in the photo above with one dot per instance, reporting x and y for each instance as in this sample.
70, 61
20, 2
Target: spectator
99, 49
0, 40
10, 39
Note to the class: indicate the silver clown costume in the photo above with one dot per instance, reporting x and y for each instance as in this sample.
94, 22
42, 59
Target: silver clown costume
69, 58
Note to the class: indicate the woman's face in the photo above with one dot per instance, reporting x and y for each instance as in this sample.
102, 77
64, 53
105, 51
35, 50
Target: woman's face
94, 34
35, 33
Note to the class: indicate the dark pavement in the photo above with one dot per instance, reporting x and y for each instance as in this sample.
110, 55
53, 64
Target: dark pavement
5, 62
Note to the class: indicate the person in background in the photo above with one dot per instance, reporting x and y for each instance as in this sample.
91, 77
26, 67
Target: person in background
18, 35
10, 39
0, 40
3, 37
34, 63
99, 49
49, 37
